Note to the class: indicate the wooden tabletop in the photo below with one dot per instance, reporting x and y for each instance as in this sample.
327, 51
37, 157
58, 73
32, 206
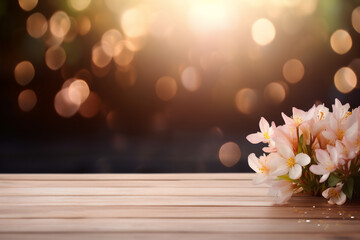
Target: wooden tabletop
162, 206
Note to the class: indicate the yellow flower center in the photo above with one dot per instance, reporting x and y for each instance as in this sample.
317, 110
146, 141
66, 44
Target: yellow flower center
266, 135
263, 169
334, 194
298, 120
348, 114
290, 162
340, 134
330, 168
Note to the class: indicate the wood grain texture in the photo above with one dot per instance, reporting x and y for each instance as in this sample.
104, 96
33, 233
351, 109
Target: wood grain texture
163, 206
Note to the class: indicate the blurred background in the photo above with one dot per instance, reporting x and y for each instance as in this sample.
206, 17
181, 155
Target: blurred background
164, 85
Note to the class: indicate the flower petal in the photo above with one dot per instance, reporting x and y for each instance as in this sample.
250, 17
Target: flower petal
302, 159
295, 172
287, 120
285, 151
341, 199
259, 179
325, 193
317, 169
324, 177
264, 125
255, 138
322, 157
253, 162
279, 170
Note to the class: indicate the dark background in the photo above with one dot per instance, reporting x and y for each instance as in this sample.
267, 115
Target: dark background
150, 135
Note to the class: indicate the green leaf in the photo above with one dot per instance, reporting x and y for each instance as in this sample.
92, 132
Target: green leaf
348, 188
300, 146
333, 180
285, 177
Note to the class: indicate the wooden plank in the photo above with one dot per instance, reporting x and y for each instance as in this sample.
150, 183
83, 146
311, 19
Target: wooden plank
177, 235
180, 225
132, 183
162, 206
158, 200
133, 191
8, 211
150, 177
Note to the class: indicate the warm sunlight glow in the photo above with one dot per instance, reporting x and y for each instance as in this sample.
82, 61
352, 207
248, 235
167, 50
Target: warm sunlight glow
263, 31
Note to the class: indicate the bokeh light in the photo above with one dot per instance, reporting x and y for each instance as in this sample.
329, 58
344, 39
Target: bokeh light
345, 80
100, 72
341, 41
36, 25
65, 106
55, 57
166, 88
229, 154
293, 70
161, 25
85, 75
99, 56
27, 100
84, 25
135, 44
111, 42
263, 31
174, 70
79, 5
355, 19
91, 106
125, 57
246, 100
134, 22
78, 89
114, 5
28, 5
59, 24
114, 120
73, 31
305, 7
190, 78
207, 16
24, 73
275, 92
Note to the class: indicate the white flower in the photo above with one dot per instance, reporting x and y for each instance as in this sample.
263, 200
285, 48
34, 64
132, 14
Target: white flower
282, 190
299, 116
337, 126
261, 167
289, 163
321, 112
351, 140
340, 111
335, 195
327, 163
265, 134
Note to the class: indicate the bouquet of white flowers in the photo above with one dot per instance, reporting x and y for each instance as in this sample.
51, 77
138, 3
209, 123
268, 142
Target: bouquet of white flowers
315, 152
